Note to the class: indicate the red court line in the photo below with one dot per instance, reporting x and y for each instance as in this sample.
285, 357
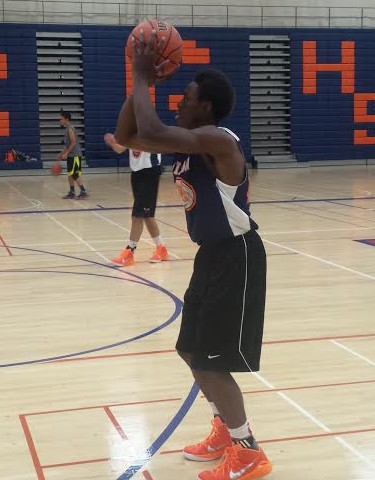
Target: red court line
156, 352
32, 449
272, 440
177, 399
292, 439
115, 423
78, 462
78, 409
318, 339
147, 475
114, 355
307, 387
6, 246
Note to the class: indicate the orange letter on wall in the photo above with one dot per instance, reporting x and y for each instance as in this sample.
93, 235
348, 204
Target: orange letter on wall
346, 67
361, 115
4, 116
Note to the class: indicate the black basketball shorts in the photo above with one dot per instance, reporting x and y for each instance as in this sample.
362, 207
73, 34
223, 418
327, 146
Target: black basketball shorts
145, 186
223, 314
74, 166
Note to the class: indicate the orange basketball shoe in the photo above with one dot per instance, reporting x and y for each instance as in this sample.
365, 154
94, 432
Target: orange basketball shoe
240, 463
213, 447
160, 254
125, 258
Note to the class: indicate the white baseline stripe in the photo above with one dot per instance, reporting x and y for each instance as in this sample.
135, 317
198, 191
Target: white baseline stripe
322, 260
353, 352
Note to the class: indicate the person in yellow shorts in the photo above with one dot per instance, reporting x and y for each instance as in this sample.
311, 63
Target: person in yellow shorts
72, 153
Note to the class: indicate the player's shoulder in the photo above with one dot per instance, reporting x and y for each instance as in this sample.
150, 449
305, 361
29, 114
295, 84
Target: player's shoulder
219, 132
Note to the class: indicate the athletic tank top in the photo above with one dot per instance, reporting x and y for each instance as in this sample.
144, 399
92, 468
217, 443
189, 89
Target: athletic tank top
141, 160
76, 152
214, 210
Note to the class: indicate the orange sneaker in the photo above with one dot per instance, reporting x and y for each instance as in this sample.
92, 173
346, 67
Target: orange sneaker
213, 447
240, 463
160, 254
125, 259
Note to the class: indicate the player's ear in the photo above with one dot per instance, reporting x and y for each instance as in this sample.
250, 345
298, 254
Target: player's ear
207, 106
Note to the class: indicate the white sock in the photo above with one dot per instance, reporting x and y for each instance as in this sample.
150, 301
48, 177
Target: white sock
132, 244
158, 241
215, 411
241, 433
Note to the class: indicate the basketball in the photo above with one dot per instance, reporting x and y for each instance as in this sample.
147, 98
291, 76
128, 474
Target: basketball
56, 168
173, 43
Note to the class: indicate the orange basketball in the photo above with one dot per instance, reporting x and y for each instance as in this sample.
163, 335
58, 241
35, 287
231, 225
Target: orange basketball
173, 43
56, 168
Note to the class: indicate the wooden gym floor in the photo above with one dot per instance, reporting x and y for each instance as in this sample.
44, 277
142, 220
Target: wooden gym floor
91, 387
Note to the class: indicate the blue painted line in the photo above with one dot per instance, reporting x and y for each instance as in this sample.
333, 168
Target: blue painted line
163, 437
75, 210
369, 241
345, 205
177, 302
260, 202
188, 402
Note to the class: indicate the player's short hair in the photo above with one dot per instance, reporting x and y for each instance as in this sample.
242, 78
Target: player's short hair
66, 115
215, 87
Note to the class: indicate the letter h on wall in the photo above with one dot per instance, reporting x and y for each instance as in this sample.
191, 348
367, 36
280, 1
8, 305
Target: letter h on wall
346, 67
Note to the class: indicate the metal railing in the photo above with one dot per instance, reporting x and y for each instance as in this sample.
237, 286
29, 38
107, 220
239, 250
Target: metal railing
210, 15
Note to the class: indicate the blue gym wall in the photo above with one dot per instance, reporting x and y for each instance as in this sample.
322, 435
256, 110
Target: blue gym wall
104, 80
322, 123
19, 92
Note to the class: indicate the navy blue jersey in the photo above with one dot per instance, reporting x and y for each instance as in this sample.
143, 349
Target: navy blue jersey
214, 210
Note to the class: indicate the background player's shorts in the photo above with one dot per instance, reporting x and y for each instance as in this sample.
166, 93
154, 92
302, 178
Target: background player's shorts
145, 186
223, 314
74, 166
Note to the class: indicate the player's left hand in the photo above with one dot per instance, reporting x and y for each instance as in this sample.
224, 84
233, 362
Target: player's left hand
145, 55
64, 156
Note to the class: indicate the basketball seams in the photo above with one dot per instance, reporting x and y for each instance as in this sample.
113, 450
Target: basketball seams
165, 46
173, 38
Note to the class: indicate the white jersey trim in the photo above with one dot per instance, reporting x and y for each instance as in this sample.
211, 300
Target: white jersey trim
238, 220
141, 160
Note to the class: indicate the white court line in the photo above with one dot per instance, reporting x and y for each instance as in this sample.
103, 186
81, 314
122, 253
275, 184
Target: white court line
316, 230
149, 242
322, 260
296, 194
68, 229
315, 420
353, 352
61, 243
75, 243
63, 300
142, 239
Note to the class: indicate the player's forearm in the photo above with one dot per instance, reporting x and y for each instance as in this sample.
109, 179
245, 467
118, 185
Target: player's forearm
126, 128
148, 122
70, 148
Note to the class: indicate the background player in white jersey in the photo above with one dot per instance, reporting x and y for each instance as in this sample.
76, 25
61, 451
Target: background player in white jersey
222, 321
145, 179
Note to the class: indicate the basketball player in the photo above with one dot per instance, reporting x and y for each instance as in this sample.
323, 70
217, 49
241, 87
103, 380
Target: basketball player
145, 178
73, 155
222, 320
